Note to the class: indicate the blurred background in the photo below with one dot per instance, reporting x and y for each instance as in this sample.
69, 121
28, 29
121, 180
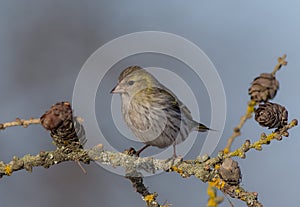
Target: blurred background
45, 43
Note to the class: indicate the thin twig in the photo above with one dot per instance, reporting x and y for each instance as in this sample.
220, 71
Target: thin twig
19, 122
281, 62
136, 179
213, 199
26, 122
81, 167
237, 129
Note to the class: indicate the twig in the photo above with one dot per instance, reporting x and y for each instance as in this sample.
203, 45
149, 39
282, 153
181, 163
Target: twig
81, 167
237, 129
19, 122
213, 200
136, 179
263, 140
281, 62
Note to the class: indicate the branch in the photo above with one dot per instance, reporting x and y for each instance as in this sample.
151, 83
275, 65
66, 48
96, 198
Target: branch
281, 62
202, 168
136, 179
251, 105
263, 88
19, 122
263, 140
237, 129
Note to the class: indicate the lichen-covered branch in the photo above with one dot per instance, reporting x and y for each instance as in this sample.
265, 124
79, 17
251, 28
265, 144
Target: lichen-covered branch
204, 168
136, 178
44, 159
263, 89
263, 140
272, 115
130, 163
227, 149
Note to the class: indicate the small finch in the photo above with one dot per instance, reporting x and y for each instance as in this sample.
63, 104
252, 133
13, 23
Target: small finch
153, 113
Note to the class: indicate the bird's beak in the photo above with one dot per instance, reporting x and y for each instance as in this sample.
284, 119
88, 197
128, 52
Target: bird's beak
113, 90
116, 89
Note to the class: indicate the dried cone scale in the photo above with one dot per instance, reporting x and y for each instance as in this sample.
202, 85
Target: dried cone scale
230, 171
263, 88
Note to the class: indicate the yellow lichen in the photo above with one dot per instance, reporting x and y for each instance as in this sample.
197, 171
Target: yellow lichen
235, 153
243, 198
263, 140
8, 170
176, 169
217, 167
217, 182
226, 150
237, 191
251, 107
294, 123
212, 203
270, 137
149, 198
211, 192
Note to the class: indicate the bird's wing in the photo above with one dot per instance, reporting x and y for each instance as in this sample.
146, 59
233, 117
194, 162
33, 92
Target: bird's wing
183, 107
153, 104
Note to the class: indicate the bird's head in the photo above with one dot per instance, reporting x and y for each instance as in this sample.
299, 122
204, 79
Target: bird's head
134, 79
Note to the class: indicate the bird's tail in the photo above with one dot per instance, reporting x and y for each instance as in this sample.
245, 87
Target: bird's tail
202, 128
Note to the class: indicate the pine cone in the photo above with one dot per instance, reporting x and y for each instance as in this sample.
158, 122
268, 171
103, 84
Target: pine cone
230, 171
55, 116
263, 88
271, 115
65, 130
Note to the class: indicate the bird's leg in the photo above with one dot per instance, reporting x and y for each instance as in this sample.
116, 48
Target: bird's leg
174, 157
174, 151
142, 149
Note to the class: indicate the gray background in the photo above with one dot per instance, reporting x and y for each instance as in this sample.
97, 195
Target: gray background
45, 43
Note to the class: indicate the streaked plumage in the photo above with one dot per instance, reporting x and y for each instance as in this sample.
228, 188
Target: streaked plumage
153, 113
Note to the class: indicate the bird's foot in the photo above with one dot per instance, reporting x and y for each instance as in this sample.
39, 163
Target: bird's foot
174, 160
131, 152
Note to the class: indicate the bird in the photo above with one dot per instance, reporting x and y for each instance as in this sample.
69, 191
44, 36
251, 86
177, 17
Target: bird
152, 111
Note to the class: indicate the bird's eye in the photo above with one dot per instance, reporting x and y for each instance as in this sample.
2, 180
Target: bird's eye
130, 83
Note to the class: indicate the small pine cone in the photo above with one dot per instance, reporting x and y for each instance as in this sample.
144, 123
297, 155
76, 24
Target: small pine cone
65, 130
271, 115
55, 116
263, 88
230, 171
